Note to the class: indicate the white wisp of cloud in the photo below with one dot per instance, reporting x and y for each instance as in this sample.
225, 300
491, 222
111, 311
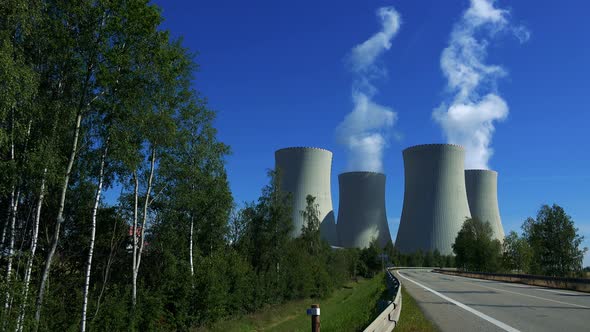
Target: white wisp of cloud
469, 118
364, 131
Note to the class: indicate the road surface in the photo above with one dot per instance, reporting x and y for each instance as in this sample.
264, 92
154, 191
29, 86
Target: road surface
465, 304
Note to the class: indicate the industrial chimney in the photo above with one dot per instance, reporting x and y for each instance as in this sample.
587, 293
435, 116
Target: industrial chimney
482, 195
361, 210
435, 199
306, 171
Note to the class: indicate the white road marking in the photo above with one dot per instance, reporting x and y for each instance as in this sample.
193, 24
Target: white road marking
480, 314
533, 296
519, 286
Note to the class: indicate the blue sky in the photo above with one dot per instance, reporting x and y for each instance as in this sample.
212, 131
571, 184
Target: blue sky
278, 74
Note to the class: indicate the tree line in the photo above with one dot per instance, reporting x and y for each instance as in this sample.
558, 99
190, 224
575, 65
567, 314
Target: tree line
549, 245
418, 258
115, 209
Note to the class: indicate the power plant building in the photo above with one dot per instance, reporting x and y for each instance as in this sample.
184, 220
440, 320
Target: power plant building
361, 212
306, 171
435, 198
482, 195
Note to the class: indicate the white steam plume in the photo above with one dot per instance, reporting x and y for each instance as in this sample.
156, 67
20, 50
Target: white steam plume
364, 130
469, 119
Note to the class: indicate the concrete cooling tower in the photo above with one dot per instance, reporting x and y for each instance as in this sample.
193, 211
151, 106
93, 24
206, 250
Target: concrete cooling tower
306, 171
482, 195
435, 199
361, 212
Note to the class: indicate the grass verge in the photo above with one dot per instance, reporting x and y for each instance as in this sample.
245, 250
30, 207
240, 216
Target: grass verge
412, 318
350, 308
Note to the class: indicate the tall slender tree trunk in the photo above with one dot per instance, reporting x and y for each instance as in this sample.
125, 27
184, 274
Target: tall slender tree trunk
35, 234
137, 261
93, 236
13, 215
146, 205
4, 229
29, 269
59, 221
14, 200
190, 248
135, 217
107, 269
13, 189
7, 222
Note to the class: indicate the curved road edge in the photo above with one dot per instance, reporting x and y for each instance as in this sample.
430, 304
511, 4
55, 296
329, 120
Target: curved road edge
388, 318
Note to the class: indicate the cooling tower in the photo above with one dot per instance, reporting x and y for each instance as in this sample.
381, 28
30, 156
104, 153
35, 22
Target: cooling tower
361, 210
435, 198
306, 171
482, 195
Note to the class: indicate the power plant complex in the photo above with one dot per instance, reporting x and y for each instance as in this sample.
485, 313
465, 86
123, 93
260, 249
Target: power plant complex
439, 195
361, 212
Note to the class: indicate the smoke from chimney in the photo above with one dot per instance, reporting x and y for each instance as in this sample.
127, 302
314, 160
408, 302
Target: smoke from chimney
469, 118
364, 131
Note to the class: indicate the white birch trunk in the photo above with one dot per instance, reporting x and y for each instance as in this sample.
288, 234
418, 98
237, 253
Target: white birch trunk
14, 199
106, 271
29, 269
190, 253
11, 247
135, 217
4, 231
145, 206
137, 261
92, 237
7, 222
58, 223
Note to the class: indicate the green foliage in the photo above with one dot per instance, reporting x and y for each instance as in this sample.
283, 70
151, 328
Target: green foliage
267, 233
371, 261
349, 308
428, 259
437, 259
549, 245
310, 231
418, 258
555, 243
517, 253
474, 248
108, 63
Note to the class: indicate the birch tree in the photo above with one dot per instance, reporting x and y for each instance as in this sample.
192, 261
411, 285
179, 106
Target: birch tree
33, 249
93, 234
19, 83
95, 93
139, 243
83, 38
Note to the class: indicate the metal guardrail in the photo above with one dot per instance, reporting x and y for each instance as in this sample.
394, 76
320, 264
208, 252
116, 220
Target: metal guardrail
388, 318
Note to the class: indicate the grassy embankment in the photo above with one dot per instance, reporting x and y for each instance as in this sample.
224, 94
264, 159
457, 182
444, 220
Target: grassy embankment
411, 318
351, 308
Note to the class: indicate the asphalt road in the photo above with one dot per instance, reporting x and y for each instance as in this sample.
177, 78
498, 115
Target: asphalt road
465, 304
